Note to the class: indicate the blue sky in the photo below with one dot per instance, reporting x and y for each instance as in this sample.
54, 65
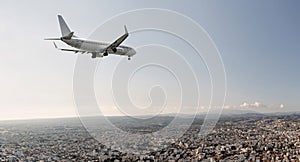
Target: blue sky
258, 41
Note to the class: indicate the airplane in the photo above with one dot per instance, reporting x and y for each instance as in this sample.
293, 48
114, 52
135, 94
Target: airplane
97, 49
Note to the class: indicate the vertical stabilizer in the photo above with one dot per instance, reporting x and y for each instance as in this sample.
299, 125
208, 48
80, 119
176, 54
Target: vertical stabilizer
65, 30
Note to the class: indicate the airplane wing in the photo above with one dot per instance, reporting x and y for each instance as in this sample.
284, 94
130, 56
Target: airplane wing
117, 42
71, 50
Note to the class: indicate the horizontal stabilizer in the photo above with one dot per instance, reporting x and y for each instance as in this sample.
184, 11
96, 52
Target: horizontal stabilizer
52, 39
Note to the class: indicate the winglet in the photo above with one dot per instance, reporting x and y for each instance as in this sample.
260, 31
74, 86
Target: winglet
126, 32
55, 45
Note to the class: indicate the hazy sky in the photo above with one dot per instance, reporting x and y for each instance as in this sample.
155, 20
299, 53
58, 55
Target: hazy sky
259, 42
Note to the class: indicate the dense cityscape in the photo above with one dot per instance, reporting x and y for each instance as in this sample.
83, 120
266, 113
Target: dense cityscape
248, 137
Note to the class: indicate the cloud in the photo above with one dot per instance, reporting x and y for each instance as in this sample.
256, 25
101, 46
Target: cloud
281, 106
244, 105
256, 104
227, 107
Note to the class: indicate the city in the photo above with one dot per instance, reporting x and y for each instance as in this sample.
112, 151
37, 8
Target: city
248, 137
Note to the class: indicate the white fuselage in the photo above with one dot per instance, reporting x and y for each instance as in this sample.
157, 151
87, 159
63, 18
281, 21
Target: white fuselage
98, 47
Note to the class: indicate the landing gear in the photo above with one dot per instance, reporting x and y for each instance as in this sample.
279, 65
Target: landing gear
129, 58
94, 55
105, 54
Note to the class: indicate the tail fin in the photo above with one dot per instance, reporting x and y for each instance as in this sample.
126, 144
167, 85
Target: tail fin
65, 30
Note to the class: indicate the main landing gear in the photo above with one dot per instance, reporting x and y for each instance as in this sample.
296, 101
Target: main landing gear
129, 58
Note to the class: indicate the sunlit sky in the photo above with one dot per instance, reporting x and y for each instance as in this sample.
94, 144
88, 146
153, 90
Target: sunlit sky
259, 42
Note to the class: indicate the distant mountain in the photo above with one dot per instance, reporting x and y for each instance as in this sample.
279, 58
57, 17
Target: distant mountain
284, 113
238, 111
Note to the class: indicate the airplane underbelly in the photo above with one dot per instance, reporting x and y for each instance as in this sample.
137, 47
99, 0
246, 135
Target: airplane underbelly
89, 47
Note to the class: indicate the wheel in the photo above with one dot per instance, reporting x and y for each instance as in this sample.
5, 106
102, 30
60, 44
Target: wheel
129, 58
105, 54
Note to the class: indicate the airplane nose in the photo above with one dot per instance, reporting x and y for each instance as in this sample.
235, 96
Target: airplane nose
131, 52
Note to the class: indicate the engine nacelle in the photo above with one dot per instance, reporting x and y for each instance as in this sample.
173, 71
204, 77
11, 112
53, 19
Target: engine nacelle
99, 55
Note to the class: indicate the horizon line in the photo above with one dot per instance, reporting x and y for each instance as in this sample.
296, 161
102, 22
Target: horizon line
170, 114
